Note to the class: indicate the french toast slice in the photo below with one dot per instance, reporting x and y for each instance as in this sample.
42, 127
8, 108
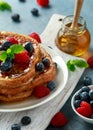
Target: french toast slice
19, 87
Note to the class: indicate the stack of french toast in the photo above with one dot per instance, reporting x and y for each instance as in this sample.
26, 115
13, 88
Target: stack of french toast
21, 72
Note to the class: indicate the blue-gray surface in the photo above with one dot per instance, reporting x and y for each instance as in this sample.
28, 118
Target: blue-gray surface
30, 23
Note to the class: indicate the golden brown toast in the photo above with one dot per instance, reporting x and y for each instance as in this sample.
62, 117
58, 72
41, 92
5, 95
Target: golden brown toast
21, 86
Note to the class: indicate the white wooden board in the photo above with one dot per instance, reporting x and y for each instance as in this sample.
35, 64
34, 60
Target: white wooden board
42, 115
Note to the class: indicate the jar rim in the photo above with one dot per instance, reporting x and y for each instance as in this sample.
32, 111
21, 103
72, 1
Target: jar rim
81, 20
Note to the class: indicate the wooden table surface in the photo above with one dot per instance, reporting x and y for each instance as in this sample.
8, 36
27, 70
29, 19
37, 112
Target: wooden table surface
30, 23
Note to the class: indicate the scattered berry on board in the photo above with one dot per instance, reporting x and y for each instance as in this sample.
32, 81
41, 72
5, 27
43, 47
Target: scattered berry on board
22, 0
59, 119
26, 120
35, 12
43, 3
16, 17
15, 127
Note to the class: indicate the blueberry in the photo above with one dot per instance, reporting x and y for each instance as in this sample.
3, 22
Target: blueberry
29, 47
26, 120
87, 81
85, 88
91, 94
35, 12
5, 45
16, 17
46, 62
91, 103
5, 66
77, 96
39, 67
51, 85
77, 103
15, 127
84, 96
22, 0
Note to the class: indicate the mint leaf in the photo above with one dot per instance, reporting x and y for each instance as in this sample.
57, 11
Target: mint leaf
80, 63
4, 6
72, 64
11, 51
16, 48
3, 56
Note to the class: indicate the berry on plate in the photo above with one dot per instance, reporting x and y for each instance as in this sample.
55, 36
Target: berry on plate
46, 62
35, 36
6, 66
12, 40
41, 91
6, 44
39, 67
59, 119
22, 57
43, 3
51, 85
29, 47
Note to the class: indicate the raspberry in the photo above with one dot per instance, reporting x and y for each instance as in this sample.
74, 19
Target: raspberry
12, 40
85, 109
90, 61
43, 3
22, 57
41, 91
59, 119
35, 36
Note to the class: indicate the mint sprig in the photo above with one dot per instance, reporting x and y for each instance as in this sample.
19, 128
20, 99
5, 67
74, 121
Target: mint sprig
72, 64
4, 6
11, 51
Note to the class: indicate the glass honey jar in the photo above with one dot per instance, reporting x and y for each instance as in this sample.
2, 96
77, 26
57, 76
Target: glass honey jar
74, 41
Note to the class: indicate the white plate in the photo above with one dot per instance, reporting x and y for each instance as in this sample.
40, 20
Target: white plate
60, 80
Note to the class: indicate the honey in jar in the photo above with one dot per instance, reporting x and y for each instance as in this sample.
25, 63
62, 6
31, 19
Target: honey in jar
73, 41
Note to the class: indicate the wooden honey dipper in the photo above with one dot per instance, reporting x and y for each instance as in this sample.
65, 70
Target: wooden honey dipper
77, 10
